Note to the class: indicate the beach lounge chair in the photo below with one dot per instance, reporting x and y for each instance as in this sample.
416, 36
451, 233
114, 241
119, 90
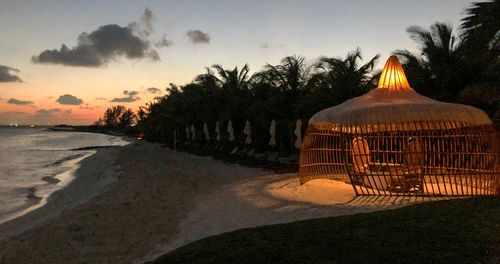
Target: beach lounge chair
224, 154
258, 159
288, 164
233, 155
246, 158
266, 160
272, 160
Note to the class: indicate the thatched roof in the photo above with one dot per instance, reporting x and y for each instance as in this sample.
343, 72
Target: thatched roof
393, 102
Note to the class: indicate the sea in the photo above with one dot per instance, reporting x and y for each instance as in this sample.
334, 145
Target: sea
36, 162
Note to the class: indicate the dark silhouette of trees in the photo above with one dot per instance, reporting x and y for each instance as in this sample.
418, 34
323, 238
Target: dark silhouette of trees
118, 118
454, 65
459, 65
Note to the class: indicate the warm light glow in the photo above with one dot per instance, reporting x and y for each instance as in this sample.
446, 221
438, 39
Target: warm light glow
393, 77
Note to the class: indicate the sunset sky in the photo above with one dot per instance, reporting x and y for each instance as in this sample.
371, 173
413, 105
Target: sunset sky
132, 50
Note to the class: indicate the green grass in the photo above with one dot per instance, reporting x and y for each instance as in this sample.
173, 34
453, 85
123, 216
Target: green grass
456, 231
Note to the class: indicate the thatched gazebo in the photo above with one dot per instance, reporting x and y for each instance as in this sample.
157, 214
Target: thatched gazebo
394, 141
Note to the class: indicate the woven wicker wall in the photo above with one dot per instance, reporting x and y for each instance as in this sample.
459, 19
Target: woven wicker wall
449, 158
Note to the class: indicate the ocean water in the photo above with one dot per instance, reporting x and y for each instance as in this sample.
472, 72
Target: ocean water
35, 162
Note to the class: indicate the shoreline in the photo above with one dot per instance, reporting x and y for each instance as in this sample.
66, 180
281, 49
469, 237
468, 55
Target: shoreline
161, 199
84, 184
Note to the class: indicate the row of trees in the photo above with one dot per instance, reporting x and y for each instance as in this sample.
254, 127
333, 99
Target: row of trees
452, 65
284, 92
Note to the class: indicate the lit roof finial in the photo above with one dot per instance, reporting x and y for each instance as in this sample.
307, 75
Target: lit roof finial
393, 77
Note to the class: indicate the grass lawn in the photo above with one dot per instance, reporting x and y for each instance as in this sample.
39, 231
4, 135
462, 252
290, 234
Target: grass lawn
456, 231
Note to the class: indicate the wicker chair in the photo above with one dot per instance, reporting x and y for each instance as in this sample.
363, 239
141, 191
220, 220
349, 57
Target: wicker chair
411, 180
360, 154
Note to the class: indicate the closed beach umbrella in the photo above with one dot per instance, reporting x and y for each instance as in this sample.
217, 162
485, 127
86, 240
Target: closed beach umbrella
193, 132
298, 134
230, 131
187, 133
217, 131
272, 131
248, 132
206, 132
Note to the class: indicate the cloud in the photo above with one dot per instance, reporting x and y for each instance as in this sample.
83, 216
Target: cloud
69, 99
131, 96
130, 93
19, 102
153, 90
266, 45
48, 111
144, 27
163, 42
14, 113
198, 37
147, 20
101, 98
88, 107
104, 44
7, 74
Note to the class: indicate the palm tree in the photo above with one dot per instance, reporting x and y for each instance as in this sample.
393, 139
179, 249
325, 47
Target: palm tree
290, 77
232, 79
481, 23
335, 80
287, 82
439, 71
235, 93
347, 75
481, 34
451, 68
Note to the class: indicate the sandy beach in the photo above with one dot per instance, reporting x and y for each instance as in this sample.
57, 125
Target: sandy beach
130, 204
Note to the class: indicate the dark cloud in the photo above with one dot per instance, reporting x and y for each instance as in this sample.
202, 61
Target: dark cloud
147, 20
131, 96
69, 99
48, 111
130, 93
19, 102
144, 27
106, 43
7, 74
198, 37
153, 90
163, 42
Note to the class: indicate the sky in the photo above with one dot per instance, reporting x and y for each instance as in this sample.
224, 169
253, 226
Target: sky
128, 52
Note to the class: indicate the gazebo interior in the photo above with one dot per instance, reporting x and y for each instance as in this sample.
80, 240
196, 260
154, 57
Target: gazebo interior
394, 141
